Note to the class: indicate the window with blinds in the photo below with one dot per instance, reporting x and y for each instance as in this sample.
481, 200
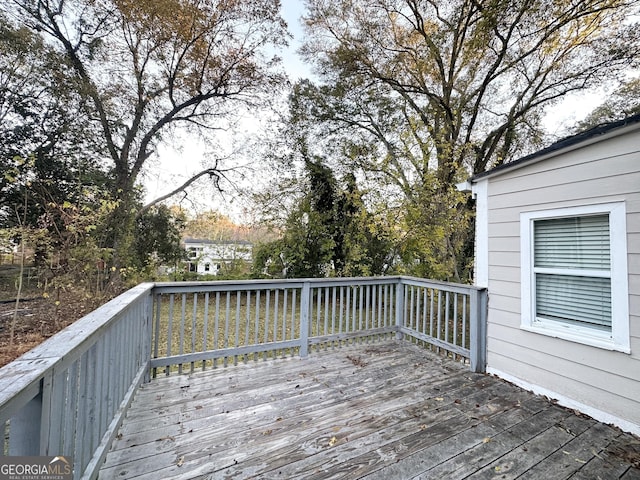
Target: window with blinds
572, 270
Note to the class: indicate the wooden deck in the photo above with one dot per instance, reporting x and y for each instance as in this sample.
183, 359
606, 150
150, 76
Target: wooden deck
377, 411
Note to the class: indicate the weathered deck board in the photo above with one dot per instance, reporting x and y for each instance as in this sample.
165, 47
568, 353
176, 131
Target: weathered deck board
385, 411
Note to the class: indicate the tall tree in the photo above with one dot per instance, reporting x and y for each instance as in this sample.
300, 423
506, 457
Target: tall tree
51, 182
328, 232
623, 102
158, 235
420, 93
475, 75
149, 67
46, 148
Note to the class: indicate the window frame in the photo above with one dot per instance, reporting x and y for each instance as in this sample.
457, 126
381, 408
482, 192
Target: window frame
618, 338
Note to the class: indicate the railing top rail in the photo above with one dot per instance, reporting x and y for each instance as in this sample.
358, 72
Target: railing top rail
441, 285
20, 379
225, 285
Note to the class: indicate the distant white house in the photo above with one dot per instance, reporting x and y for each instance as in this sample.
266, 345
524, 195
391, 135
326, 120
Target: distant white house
207, 257
558, 247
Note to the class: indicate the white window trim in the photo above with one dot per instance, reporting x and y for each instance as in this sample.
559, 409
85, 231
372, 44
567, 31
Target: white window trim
619, 338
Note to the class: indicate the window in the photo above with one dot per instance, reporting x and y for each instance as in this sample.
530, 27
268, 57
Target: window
574, 274
207, 267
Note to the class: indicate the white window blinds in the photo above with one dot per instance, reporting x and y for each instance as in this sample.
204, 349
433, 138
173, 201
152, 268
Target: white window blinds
572, 267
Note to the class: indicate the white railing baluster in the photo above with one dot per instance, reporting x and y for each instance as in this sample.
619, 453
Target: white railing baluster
72, 407
447, 310
305, 311
205, 332
368, 322
439, 324
284, 319
455, 322
431, 316
257, 324
326, 313
386, 314
156, 336
216, 330
464, 322
318, 311
276, 305
194, 319
236, 340
360, 306
294, 317
183, 320
170, 329
425, 310
247, 325
341, 312
334, 306
266, 321
226, 326
347, 312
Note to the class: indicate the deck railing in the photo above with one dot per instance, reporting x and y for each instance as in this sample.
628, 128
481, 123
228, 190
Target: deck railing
69, 395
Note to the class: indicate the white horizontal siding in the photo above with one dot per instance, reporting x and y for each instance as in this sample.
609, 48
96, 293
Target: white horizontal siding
505, 258
599, 403
550, 173
604, 172
506, 304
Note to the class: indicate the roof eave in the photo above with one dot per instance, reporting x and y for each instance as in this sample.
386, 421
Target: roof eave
573, 143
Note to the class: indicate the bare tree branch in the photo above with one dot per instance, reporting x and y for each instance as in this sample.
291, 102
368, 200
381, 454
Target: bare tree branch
213, 173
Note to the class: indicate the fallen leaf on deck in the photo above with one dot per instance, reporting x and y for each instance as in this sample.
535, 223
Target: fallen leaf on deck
333, 441
486, 439
180, 461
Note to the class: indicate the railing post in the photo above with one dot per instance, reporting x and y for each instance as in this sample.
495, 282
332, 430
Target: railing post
147, 338
399, 308
304, 319
478, 340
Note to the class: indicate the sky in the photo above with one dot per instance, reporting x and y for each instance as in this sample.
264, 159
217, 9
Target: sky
292, 11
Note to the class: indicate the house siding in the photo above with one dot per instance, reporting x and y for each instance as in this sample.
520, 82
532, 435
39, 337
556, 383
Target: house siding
602, 380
